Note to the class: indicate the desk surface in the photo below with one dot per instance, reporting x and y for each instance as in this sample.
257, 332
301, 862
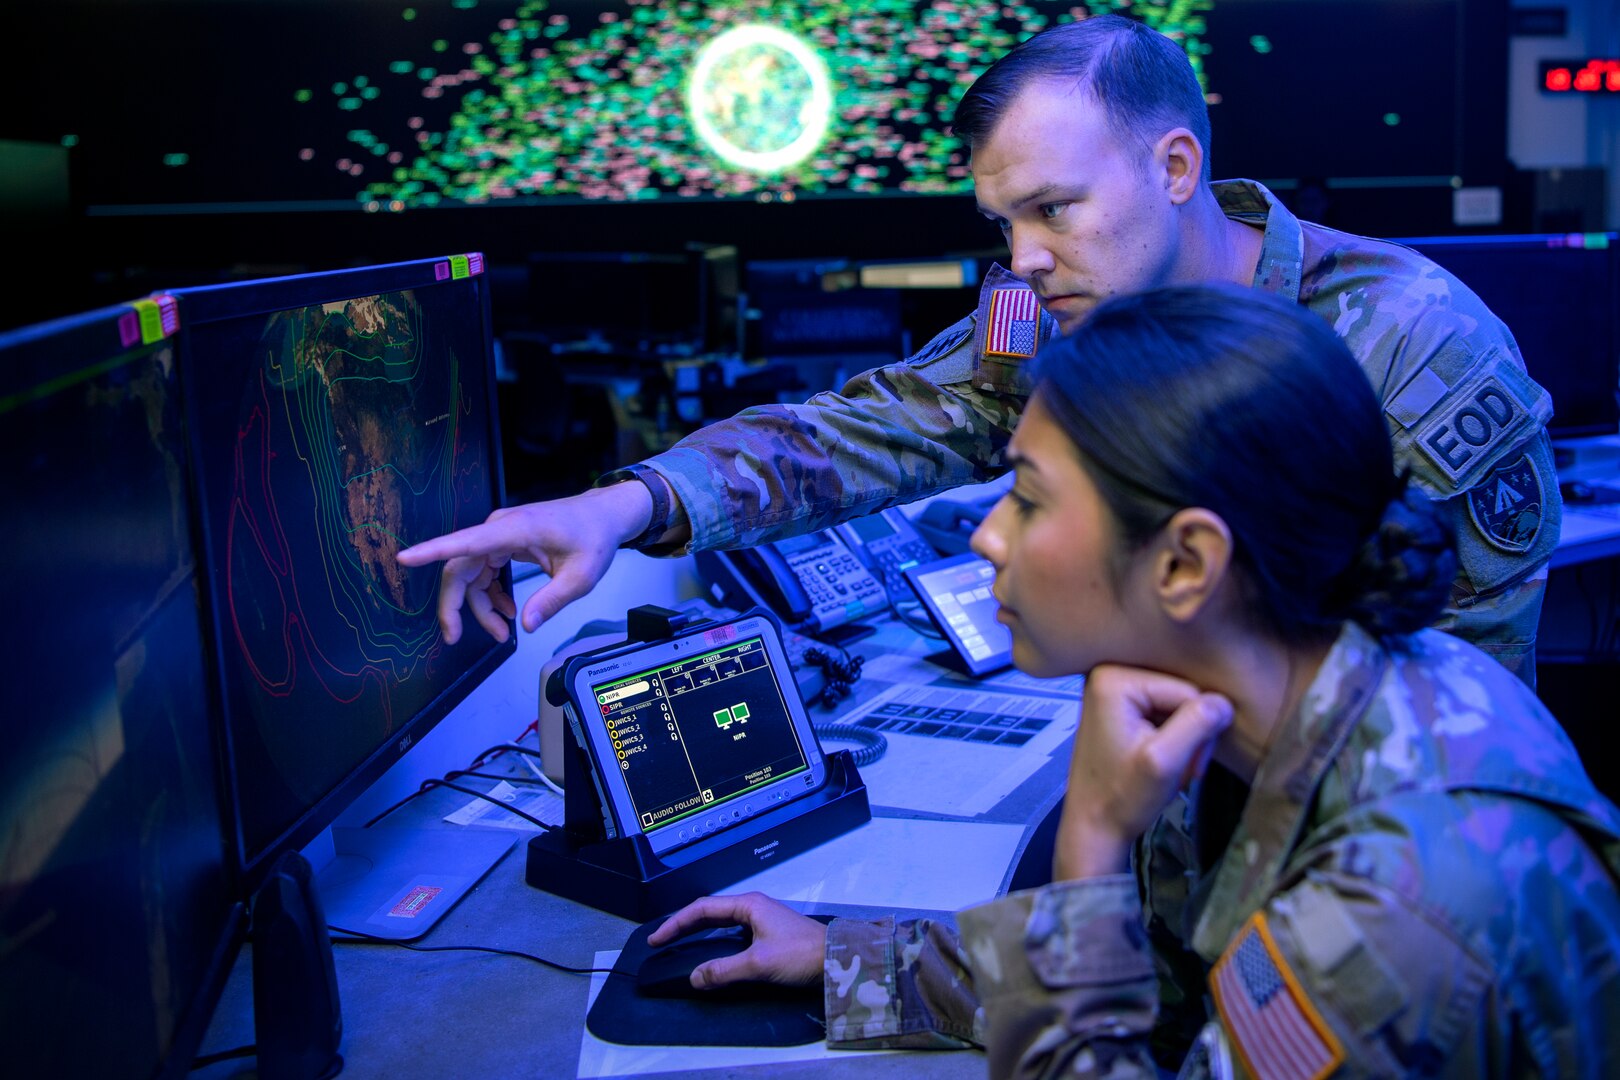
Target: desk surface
472, 1013
1590, 531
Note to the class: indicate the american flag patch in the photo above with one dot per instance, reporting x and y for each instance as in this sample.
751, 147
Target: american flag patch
1274, 1026
1014, 319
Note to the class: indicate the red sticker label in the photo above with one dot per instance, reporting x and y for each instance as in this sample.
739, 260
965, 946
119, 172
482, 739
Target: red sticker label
415, 902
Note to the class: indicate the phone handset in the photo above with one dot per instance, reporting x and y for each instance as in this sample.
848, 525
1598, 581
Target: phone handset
813, 582
780, 586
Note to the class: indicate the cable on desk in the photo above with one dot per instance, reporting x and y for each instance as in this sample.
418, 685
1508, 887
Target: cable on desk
356, 937
480, 759
527, 754
205, 1060
838, 672
873, 744
503, 748
906, 612
430, 783
505, 778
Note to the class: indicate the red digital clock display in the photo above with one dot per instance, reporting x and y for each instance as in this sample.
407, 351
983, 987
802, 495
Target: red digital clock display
1594, 76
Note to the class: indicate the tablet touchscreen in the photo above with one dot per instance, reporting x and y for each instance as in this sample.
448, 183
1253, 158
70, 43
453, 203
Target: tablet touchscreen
696, 734
956, 592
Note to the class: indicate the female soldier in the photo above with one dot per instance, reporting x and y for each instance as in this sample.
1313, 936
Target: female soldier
1397, 864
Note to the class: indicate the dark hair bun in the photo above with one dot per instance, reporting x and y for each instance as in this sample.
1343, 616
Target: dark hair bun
1401, 578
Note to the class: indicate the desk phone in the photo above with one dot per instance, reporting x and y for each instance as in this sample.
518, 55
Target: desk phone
840, 588
887, 543
814, 582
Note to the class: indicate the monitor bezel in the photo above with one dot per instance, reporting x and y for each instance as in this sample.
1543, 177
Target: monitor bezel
31, 369
204, 305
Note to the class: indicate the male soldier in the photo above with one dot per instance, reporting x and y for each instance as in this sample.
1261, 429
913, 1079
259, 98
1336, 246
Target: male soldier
1089, 146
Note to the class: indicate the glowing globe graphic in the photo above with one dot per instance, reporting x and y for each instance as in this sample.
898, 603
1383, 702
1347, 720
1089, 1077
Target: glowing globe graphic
760, 98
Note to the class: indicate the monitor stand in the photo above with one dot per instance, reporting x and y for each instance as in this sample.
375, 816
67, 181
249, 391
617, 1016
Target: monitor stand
396, 883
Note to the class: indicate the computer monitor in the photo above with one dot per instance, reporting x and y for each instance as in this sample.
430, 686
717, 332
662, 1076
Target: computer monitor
398, 108
335, 418
1560, 297
816, 307
118, 919
633, 301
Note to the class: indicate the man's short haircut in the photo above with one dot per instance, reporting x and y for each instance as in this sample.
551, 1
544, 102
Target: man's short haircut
1141, 78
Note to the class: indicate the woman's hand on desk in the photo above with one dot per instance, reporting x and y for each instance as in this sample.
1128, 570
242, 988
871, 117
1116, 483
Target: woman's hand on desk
572, 539
787, 947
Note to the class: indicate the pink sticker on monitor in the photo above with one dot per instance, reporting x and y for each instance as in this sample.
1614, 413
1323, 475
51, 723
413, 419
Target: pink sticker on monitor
415, 902
129, 328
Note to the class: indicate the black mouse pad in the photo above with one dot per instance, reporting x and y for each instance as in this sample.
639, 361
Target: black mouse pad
745, 1015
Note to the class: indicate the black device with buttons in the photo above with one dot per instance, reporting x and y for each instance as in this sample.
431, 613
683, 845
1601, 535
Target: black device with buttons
701, 761
841, 588
888, 544
814, 582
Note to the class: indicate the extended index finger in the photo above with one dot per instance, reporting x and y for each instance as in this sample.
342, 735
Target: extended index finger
494, 537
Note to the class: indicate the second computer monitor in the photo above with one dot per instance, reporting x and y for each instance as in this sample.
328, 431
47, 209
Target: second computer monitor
336, 418
118, 919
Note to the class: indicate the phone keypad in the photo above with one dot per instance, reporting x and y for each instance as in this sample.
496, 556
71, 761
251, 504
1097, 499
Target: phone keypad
839, 587
892, 559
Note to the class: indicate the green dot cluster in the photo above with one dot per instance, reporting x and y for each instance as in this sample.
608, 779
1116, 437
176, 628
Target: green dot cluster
550, 105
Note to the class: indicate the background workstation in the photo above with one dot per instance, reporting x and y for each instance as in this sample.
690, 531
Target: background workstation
638, 284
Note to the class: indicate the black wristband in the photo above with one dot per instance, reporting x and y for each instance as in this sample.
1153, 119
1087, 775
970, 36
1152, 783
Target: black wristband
658, 524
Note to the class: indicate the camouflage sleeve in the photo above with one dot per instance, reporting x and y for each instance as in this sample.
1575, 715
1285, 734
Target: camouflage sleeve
1501, 623
899, 984
889, 437
1366, 977
1470, 424
1166, 862
1332, 973
1067, 980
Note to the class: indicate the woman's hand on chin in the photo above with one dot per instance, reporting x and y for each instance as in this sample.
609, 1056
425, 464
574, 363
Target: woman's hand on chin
1143, 737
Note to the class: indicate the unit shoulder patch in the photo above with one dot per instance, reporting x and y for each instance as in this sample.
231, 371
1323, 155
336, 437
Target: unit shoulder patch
942, 343
1507, 506
948, 357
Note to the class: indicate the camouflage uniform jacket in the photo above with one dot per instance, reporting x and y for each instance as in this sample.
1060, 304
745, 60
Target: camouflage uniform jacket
1422, 880
1462, 413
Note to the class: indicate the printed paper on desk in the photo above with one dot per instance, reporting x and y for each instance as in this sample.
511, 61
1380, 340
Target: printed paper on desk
897, 666
896, 863
959, 751
537, 802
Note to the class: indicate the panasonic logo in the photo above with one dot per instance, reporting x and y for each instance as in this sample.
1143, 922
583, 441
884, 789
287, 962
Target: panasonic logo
767, 847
